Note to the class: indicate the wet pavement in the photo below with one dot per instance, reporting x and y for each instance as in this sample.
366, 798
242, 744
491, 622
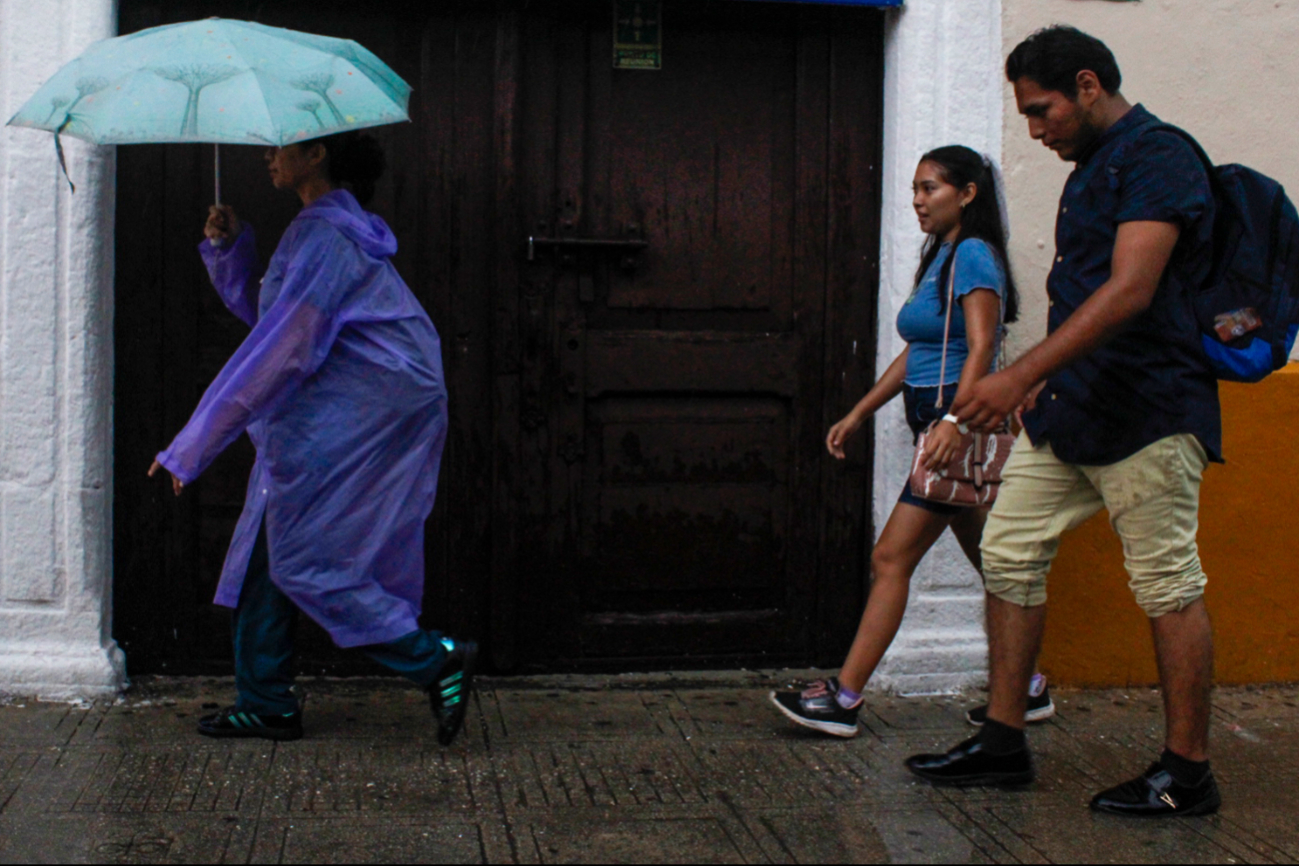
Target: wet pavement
686, 768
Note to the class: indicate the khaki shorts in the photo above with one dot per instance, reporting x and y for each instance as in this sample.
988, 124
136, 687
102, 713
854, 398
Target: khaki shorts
1153, 499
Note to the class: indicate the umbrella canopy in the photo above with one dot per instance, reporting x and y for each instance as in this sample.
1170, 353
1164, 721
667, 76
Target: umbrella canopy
217, 81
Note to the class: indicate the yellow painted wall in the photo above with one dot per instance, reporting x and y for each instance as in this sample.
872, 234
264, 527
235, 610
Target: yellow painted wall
1249, 542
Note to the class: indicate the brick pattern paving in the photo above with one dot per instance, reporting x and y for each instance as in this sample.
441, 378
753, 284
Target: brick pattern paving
608, 769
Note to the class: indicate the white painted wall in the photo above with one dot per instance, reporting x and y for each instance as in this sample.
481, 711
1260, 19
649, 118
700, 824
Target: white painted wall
942, 86
56, 375
1224, 70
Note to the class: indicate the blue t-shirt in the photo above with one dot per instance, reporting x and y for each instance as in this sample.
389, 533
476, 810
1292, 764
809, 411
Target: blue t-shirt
921, 320
1152, 380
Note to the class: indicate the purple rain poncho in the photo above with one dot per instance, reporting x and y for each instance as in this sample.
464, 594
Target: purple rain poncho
340, 387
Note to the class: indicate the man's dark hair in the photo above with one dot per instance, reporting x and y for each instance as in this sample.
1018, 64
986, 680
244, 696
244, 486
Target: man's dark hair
1053, 57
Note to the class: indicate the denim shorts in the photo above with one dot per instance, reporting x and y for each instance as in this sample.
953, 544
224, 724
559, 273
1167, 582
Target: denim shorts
921, 412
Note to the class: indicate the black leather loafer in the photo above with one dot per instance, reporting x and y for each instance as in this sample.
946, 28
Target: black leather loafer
1157, 795
968, 764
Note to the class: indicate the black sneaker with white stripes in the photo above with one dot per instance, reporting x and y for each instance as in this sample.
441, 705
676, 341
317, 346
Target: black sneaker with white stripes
1040, 705
449, 694
817, 707
235, 723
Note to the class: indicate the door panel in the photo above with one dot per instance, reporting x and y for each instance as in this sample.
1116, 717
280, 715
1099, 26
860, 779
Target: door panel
690, 499
701, 159
676, 390
662, 360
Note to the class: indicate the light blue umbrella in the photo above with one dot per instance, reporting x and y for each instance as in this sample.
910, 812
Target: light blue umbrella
217, 81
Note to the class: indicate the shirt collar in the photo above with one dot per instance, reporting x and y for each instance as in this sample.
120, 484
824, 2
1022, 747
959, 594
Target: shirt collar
1136, 116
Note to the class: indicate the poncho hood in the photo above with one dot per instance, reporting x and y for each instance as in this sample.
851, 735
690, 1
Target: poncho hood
340, 209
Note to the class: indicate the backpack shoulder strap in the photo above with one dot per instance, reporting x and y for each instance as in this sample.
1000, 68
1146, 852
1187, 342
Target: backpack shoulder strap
1220, 197
1209, 167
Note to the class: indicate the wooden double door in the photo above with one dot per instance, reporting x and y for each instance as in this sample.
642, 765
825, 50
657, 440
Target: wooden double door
655, 290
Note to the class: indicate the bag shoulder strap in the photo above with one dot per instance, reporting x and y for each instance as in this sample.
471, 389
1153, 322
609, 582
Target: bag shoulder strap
947, 325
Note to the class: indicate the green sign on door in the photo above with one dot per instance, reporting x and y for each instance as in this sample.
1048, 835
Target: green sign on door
637, 34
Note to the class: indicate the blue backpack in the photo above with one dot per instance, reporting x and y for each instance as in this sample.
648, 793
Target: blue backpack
1248, 310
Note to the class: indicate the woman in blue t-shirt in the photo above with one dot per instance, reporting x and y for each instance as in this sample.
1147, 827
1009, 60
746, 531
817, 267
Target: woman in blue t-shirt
957, 200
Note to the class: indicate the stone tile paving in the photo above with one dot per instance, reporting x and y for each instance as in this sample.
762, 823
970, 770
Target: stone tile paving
684, 768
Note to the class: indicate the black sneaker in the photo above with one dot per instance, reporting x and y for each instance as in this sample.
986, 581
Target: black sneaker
817, 707
232, 722
449, 694
1157, 795
1040, 705
968, 764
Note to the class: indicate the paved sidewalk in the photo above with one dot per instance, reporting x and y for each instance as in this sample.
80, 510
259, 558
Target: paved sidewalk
694, 768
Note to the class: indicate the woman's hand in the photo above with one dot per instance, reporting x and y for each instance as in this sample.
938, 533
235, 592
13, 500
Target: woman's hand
176, 484
841, 433
942, 442
222, 224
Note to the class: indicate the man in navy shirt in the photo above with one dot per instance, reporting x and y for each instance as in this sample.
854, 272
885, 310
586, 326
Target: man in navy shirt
1120, 411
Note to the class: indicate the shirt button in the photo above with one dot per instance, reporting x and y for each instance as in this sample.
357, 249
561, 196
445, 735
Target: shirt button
1064, 210
1059, 259
263, 492
1053, 396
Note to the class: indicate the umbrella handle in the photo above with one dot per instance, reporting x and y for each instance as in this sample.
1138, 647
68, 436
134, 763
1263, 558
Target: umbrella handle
217, 184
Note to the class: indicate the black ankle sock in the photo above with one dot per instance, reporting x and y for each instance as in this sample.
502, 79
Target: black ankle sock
999, 739
1184, 771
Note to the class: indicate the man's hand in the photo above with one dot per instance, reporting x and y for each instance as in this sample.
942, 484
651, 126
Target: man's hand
176, 484
1030, 402
991, 400
1141, 252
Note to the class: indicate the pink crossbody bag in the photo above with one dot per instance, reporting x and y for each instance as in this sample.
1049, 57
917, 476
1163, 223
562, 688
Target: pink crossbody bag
973, 477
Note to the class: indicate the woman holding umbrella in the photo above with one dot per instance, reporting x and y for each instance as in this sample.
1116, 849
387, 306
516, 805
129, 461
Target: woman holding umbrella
340, 386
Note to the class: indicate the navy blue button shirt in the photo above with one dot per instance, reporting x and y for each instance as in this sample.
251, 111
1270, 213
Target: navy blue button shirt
1151, 381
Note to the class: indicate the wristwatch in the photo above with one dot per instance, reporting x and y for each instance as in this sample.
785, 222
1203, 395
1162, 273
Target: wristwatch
963, 429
